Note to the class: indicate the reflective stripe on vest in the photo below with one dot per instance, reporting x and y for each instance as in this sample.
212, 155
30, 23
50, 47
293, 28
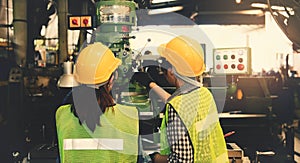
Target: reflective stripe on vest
93, 144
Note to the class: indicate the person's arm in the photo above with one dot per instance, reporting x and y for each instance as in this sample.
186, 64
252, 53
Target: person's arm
164, 95
158, 158
178, 138
146, 80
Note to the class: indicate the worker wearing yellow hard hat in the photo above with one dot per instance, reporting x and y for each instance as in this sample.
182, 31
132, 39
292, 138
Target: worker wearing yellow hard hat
190, 129
95, 64
93, 128
185, 54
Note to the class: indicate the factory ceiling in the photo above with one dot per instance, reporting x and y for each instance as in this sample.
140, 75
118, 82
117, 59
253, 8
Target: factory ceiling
216, 11
226, 12
223, 12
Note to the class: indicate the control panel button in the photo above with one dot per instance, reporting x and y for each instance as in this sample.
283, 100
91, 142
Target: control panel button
233, 66
241, 60
226, 66
240, 67
225, 57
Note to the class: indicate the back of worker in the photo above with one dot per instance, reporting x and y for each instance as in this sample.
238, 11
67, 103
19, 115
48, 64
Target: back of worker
194, 105
93, 128
118, 129
190, 130
202, 124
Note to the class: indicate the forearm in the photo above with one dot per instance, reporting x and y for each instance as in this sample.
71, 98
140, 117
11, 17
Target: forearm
158, 158
164, 95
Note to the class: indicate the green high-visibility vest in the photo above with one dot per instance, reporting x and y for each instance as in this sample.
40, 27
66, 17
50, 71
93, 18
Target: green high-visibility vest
199, 114
116, 140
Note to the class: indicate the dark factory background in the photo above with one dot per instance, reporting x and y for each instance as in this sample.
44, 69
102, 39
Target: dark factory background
260, 106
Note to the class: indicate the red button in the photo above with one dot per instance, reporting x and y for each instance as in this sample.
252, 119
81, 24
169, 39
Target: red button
240, 67
225, 66
218, 67
74, 21
85, 21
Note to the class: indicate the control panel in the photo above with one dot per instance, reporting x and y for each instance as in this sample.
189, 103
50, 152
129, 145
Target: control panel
76, 22
232, 60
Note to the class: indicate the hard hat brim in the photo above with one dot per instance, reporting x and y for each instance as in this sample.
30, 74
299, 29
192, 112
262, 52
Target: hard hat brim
176, 60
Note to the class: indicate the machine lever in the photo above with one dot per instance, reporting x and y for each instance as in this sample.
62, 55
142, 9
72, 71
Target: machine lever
128, 37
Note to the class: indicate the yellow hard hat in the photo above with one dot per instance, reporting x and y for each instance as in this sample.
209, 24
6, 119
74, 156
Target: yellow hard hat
95, 64
185, 54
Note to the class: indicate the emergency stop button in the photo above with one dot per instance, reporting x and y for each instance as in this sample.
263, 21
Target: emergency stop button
74, 22
86, 21
80, 22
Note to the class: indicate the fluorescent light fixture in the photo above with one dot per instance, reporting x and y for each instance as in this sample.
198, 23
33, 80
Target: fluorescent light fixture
259, 5
265, 6
164, 10
250, 12
243, 12
281, 8
161, 1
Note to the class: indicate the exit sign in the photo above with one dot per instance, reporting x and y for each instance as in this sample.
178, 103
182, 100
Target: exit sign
80, 22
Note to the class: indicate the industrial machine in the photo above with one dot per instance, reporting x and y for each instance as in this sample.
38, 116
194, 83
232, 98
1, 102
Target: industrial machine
115, 20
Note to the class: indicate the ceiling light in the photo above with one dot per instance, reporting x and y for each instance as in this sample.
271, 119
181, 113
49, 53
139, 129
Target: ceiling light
259, 5
161, 1
265, 6
243, 12
164, 10
238, 1
67, 80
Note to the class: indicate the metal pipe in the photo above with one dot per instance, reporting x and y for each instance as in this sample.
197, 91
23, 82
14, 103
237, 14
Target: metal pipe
20, 31
63, 30
83, 33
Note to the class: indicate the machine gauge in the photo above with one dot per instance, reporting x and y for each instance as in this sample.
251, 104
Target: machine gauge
115, 14
114, 9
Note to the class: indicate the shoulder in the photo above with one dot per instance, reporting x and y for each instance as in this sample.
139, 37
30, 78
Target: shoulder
205, 91
130, 110
63, 109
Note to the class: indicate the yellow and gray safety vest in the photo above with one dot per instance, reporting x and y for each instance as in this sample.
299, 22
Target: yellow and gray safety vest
116, 140
199, 114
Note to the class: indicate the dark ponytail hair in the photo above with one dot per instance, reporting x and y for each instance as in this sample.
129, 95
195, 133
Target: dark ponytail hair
90, 103
105, 97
